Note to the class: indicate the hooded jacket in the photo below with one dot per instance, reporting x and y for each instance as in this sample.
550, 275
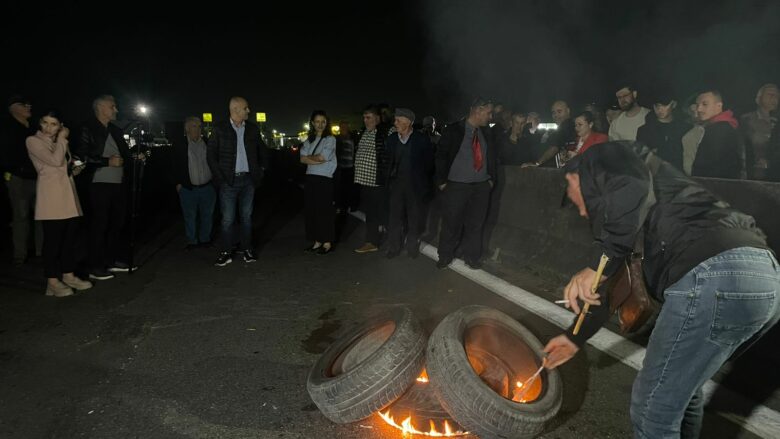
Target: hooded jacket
721, 152
684, 224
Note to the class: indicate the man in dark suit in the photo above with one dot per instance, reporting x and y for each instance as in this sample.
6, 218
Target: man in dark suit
466, 167
192, 177
411, 160
236, 157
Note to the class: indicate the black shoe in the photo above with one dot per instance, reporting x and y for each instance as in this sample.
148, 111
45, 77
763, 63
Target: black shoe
249, 256
100, 274
312, 249
413, 252
443, 263
474, 265
223, 259
322, 250
121, 267
392, 253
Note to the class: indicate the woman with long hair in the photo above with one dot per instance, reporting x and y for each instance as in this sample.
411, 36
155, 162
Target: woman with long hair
587, 136
56, 204
318, 153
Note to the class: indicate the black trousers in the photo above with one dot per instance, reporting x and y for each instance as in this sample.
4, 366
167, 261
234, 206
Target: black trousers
109, 213
464, 207
373, 202
404, 204
59, 246
319, 212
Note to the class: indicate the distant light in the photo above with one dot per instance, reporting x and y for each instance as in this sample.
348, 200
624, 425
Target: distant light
306, 126
207, 117
548, 126
273, 131
260, 117
143, 109
491, 125
335, 129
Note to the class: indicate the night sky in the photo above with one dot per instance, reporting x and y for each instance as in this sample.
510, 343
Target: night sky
288, 58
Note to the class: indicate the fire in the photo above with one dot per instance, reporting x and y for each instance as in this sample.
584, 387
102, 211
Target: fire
408, 428
423, 378
517, 392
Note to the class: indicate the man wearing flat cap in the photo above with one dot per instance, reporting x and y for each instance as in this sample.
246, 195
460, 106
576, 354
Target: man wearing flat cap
411, 162
466, 165
20, 176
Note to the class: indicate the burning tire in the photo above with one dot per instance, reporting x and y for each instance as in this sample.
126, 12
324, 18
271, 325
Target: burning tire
369, 367
477, 358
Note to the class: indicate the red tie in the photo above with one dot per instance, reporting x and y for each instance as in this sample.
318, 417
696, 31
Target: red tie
476, 150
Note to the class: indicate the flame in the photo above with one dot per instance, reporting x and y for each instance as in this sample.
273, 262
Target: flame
408, 428
517, 391
423, 378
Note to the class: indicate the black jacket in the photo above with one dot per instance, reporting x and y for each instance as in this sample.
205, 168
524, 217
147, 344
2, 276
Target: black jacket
222, 150
421, 160
721, 152
665, 138
180, 162
15, 158
684, 224
92, 142
449, 145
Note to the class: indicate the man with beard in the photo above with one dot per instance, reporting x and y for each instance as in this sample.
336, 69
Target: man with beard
632, 117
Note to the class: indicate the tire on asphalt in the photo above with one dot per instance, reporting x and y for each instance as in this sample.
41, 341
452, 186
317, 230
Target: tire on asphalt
469, 400
368, 368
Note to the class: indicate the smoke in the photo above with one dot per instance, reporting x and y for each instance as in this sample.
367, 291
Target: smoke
529, 53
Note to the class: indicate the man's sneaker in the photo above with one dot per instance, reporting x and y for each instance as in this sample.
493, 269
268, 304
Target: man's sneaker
367, 248
100, 274
121, 267
249, 256
443, 263
223, 259
474, 265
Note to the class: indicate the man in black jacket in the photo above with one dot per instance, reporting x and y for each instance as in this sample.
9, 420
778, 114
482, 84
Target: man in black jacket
20, 176
721, 152
192, 177
411, 160
708, 263
466, 166
663, 132
236, 156
103, 149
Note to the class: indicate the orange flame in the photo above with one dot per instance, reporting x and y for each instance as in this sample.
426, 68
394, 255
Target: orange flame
517, 391
408, 428
423, 378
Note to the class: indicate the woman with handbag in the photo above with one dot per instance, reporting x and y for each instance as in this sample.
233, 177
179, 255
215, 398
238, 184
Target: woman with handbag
319, 154
57, 204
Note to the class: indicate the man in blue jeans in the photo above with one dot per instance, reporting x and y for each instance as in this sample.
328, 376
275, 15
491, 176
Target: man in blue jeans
236, 157
707, 263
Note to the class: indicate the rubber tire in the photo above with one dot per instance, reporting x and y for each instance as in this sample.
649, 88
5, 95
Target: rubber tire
376, 381
469, 401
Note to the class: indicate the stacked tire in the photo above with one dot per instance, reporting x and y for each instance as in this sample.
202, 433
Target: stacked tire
375, 363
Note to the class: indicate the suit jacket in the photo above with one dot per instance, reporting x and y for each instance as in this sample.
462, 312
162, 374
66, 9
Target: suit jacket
92, 143
56, 196
421, 155
223, 148
449, 145
180, 162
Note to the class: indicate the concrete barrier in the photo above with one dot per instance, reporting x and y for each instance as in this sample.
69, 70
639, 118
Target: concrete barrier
530, 228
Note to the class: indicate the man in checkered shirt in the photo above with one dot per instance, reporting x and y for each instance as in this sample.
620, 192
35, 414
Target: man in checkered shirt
371, 175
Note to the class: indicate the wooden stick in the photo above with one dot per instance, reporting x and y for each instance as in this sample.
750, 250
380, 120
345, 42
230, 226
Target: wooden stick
593, 288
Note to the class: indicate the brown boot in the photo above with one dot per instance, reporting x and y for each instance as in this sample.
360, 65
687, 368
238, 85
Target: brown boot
58, 290
367, 247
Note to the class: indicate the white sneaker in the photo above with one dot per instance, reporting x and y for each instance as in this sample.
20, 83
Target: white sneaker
77, 284
59, 290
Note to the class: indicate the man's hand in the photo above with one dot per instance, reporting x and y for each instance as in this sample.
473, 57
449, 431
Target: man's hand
579, 287
116, 161
178, 188
442, 186
529, 165
559, 350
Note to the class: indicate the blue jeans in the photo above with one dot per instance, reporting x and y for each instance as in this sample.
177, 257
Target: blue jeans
241, 194
198, 202
725, 303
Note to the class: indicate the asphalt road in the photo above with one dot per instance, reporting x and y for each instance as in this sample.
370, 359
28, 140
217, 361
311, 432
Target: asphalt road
184, 349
